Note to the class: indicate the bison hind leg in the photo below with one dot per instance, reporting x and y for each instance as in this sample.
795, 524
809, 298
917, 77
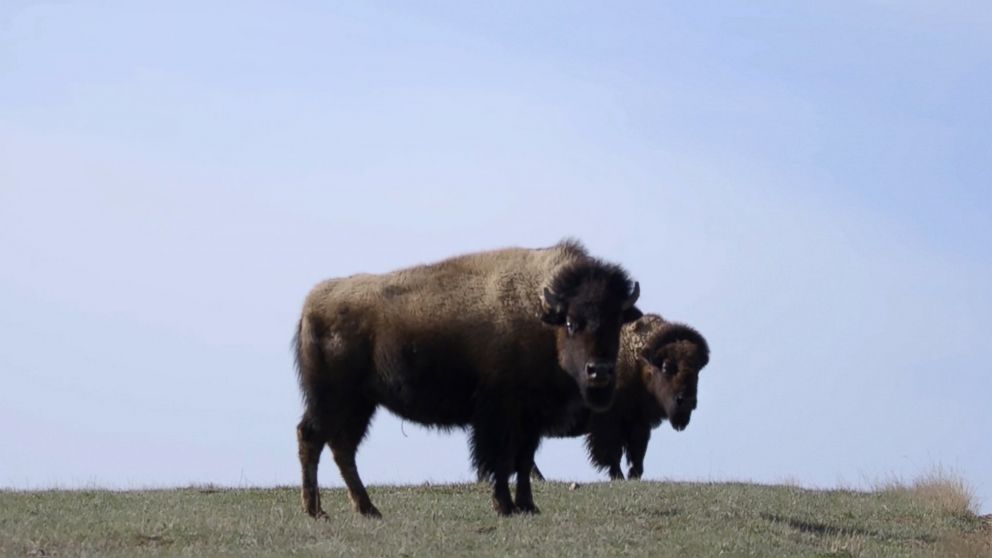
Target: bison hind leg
311, 443
346, 433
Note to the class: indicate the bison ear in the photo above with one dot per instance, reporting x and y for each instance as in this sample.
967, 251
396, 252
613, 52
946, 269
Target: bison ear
644, 355
553, 308
631, 314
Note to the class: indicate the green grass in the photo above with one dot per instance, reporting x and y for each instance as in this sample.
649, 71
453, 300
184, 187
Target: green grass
628, 518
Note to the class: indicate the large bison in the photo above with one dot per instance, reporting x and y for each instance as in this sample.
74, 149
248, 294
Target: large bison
509, 343
657, 374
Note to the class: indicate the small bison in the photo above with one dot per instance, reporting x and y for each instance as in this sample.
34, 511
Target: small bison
657, 373
510, 343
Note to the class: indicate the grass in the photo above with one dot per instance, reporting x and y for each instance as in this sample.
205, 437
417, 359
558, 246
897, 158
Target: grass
943, 489
934, 517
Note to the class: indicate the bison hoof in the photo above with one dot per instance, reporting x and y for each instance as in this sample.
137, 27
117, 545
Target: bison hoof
319, 514
503, 508
528, 508
370, 511
634, 474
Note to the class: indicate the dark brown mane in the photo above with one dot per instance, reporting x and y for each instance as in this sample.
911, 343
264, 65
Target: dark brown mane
590, 270
672, 332
573, 247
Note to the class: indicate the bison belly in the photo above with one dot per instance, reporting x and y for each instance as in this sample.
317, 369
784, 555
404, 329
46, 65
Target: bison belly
426, 379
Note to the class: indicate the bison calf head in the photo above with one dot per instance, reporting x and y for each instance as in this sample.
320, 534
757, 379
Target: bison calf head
670, 365
587, 304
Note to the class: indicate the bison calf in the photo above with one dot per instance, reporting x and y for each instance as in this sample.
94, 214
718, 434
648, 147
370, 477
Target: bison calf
509, 343
657, 374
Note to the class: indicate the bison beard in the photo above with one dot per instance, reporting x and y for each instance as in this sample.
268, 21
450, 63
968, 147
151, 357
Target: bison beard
509, 343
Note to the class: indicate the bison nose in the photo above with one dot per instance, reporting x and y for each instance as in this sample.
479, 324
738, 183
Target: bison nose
687, 400
599, 371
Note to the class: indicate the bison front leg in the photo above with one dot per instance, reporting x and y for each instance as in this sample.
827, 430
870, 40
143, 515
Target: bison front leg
311, 443
524, 468
502, 502
605, 446
637, 446
536, 474
492, 458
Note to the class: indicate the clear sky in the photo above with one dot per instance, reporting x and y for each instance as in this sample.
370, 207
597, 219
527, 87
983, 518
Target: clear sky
808, 184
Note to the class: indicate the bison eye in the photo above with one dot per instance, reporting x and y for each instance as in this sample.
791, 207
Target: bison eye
571, 325
669, 367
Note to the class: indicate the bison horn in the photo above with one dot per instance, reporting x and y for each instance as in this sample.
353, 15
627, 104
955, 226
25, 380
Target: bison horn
551, 298
629, 303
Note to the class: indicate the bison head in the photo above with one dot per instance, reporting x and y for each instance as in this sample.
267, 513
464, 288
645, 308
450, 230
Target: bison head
670, 365
587, 303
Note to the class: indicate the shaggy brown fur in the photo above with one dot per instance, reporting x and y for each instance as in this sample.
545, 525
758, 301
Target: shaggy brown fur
657, 375
510, 343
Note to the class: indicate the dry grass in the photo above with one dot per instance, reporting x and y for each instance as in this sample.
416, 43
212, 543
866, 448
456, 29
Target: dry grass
965, 546
940, 488
947, 493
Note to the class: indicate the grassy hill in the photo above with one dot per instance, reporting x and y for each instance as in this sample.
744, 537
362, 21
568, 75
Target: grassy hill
625, 518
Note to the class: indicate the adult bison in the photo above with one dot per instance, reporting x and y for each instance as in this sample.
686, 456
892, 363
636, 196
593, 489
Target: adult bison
657, 374
509, 343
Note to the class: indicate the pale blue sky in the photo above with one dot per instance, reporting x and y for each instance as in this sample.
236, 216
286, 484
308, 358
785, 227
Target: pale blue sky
807, 185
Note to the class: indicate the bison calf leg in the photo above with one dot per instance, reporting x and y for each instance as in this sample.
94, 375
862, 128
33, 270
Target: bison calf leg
616, 473
310, 446
637, 446
635, 472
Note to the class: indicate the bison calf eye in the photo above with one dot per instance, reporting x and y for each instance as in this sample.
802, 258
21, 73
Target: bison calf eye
572, 326
669, 367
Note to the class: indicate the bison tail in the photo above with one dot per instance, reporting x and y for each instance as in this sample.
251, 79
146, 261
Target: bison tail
308, 358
